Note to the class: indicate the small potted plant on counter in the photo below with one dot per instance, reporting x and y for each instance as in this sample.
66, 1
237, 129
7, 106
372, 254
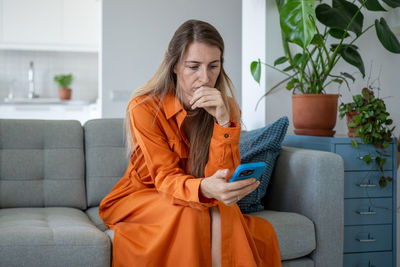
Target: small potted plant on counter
368, 119
64, 81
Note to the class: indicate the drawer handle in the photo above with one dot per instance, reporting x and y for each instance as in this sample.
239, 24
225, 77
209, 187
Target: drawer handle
372, 158
367, 185
366, 240
366, 212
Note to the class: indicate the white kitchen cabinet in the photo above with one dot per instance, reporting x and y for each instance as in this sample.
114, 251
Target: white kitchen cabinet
81, 22
59, 25
31, 22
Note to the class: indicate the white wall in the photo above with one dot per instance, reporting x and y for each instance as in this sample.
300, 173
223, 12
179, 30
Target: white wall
253, 48
136, 33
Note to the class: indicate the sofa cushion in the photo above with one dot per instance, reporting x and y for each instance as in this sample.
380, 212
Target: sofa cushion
263, 144
93, 214
105, 157
295, 232
51, 237
110, 234
41, 164
302, 262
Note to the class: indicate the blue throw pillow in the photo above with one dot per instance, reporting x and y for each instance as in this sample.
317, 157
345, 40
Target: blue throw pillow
263, 144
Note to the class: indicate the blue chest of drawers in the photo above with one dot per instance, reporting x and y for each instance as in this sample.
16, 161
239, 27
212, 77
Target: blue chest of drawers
370, 211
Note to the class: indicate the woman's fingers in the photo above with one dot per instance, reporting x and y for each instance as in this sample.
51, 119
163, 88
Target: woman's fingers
245, 190
204, 91
211, 100
234, 186
205, 103
234, 196
216, 187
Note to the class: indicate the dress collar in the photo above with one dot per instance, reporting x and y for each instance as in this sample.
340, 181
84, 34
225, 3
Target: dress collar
172, 106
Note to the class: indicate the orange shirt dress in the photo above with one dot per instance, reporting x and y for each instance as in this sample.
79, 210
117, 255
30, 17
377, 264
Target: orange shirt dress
157, 213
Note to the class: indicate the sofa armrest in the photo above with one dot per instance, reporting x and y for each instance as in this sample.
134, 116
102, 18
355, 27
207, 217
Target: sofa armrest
311, 183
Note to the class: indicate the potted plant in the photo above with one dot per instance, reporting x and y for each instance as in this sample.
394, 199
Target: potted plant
64, 81
310, 70
368, 119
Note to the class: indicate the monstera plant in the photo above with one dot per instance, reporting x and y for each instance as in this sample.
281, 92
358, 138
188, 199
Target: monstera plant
322, 35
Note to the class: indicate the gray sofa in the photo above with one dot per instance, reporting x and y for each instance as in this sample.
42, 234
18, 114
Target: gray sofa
53, 175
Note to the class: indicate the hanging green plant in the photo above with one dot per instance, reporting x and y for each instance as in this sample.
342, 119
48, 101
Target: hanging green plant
368, 119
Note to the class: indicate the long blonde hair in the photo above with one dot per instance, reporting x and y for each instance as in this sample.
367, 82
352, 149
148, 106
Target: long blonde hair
164, 82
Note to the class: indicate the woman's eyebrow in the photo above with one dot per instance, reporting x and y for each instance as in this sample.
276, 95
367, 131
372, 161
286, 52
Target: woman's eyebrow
199, 62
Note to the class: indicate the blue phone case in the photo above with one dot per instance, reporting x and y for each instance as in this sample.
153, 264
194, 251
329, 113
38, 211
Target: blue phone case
248, 170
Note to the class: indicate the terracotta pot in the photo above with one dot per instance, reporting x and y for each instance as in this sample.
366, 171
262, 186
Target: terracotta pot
349, 117
64, 93
314, 114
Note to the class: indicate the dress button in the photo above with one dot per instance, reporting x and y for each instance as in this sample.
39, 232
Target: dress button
226, 135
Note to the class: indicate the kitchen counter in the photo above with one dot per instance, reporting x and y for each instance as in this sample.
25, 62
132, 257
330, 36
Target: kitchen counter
43, 101
49, 109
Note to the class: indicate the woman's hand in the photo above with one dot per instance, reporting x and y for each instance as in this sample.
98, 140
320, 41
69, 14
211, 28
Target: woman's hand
211, 100
216, 187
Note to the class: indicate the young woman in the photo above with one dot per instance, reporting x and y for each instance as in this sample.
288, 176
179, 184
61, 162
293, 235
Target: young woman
174, 207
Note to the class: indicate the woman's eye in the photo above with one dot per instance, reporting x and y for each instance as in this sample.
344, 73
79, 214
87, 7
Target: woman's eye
214, 66
193, 67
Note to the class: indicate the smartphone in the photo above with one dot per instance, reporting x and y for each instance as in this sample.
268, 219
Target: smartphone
248, 170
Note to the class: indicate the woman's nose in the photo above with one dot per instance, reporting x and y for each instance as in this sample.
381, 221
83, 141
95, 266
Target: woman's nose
204, 75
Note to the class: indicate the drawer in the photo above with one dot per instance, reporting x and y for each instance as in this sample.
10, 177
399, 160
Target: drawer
368, 211
366, 184
353, 157
367, 238
376, 259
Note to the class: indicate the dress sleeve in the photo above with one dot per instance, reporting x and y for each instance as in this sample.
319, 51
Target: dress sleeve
224, 146
163, 164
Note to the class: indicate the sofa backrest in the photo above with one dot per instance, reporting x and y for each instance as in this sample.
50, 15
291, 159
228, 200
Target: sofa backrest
105, 157
41, 164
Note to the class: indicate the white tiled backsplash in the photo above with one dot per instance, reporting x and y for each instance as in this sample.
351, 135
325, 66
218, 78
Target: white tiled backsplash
14, 67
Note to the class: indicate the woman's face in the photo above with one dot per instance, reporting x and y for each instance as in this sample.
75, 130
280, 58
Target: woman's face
200, 66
